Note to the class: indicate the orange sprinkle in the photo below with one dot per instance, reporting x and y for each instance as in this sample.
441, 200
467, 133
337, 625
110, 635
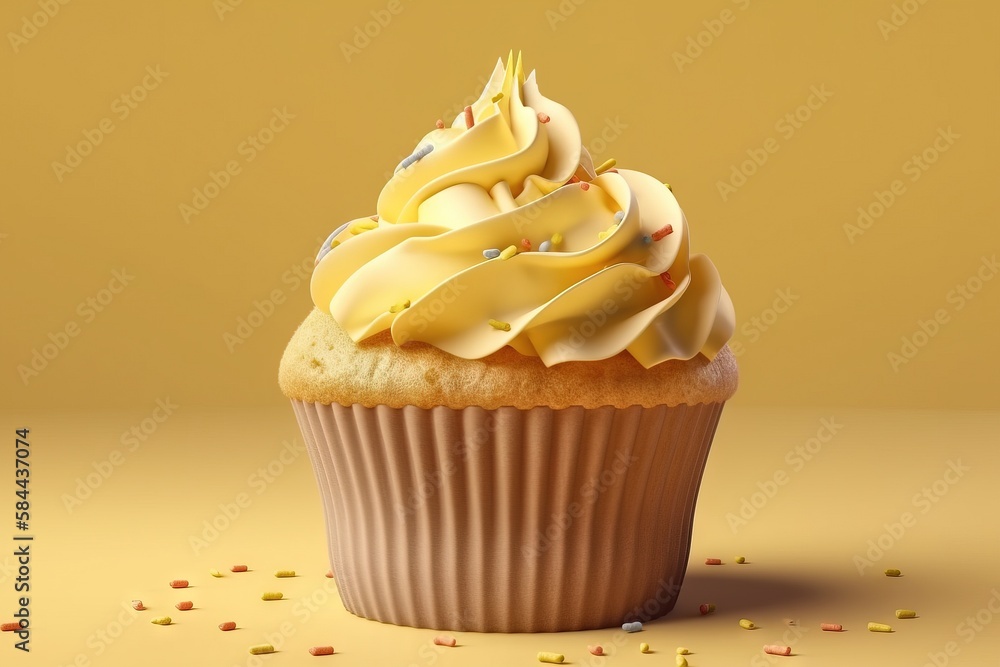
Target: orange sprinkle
329, 574
439, 124
179, 583
239, 568
665, 277
185, 606
708, 561
584, 186
831, 627
543, 117
469, 120
10, 627
227, 626
775, 649
445, 640
321, 650
596, 649
526, 244
666, 230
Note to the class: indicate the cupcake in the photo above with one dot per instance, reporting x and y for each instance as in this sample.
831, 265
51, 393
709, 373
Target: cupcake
511, 380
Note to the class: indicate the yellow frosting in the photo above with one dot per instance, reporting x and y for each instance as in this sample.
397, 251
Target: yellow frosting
509, 179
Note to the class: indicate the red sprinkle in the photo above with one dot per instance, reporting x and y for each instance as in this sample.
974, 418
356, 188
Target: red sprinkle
239, 568
665, 277
543, 117
227, 626
439, 124
584, 186
831, 627
708, 561
526, 244
179, 583
706, 608
574, 179
597, 649
666, 230
10, 627
321, 650
469, 120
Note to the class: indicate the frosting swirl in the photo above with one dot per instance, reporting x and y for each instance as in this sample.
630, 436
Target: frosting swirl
499, 230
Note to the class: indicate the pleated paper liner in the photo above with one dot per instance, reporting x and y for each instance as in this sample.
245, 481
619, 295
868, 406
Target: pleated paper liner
508, 520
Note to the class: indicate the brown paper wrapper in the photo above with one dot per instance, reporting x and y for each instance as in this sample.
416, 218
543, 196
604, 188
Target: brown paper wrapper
508, 520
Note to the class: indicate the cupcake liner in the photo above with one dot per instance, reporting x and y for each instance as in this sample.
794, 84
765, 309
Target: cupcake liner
508, 520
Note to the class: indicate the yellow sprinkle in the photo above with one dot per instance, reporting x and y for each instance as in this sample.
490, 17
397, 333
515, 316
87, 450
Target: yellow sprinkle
215, 573
681, 661
682, 650
741, 559
162, 620
879, 627
281, 574
502, 326
892, 573
334, 243
403, 305
905, 613
508, 252
668, 187
607, 232
747, 624
360, 227
556, 658
496, 98
557, 238
644, 648
272, 596
261, 649
607, 164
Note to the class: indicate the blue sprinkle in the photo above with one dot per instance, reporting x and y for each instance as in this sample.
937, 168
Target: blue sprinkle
325, 248
632, 627
646, 239
545, 246
619, 216
419, 153
491, 253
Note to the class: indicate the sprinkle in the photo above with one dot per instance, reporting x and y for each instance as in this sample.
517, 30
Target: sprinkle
272, 596
284, 574
612, 171
374, 218
607, 232
777, 649
557, 238
526, 244
179, 583
496, 98
831, 627
665, 230
321, 650
683, 651
708, 561
329, 574
138, 605
395, 308
543, 117
740, 559
555, 658
905, 613
330, 243
596, 649
644, 648
706, 609
681, 661
892, 573
445, 640
215, 573
584, 186
668, 187
469, 120
162, 620
879, 627
635, 626
227, 626
574, 179
607, 164
421, 152
238, 568
10, 627
500, 326
665, 277
361, 227
491, 253
187, 605
646, 239
439, 124
619, 216
508, 252
545, 246
747, 624
261, 649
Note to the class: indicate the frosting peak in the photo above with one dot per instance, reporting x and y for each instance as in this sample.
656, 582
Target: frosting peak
499, 230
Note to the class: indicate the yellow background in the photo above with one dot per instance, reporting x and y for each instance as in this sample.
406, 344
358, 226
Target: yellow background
687, 123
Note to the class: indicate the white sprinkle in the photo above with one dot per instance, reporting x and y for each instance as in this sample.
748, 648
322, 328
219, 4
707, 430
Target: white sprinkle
491, 253
419, 153
545, 246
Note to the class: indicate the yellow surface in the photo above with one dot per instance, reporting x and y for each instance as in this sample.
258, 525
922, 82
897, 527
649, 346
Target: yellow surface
817, 314
133, 535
